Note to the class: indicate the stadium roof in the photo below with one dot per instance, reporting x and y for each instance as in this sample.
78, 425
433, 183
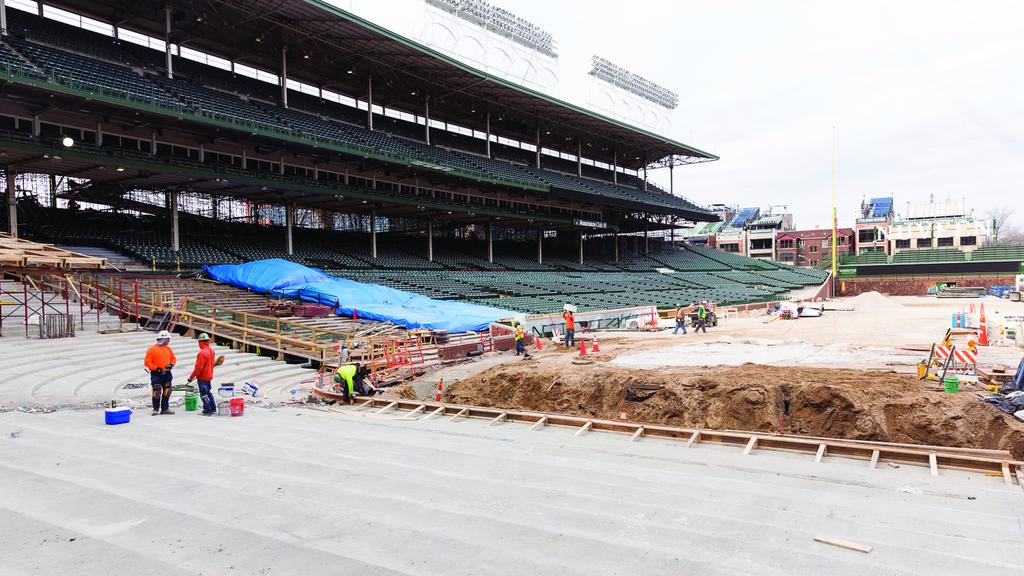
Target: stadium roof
335, 49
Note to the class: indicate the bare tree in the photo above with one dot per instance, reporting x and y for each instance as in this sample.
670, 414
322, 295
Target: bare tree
1000, 216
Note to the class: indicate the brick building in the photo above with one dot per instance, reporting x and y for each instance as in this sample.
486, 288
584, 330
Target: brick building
812, 248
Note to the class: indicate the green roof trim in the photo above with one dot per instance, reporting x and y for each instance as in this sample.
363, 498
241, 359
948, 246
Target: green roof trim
426, 50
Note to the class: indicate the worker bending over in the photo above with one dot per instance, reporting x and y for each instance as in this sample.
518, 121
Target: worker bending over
203, 373
351, 379
570, 329
159, 361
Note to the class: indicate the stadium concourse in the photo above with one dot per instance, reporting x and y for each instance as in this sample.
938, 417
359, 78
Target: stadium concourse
184, 140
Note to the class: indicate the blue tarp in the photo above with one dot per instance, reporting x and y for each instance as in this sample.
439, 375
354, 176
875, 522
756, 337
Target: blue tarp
370, 301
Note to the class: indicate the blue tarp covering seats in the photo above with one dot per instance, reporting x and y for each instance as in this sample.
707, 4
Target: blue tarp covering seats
370, 301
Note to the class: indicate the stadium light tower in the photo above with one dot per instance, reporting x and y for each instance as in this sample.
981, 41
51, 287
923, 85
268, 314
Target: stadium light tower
634, 83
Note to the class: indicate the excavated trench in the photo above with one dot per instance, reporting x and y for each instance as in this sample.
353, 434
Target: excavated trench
850, 404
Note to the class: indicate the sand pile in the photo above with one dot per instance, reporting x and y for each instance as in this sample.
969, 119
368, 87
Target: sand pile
835, 403
873, 301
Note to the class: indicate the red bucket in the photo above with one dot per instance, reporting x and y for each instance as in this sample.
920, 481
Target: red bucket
237, 406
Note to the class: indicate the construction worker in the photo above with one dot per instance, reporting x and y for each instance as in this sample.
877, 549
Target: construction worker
570, 329
159, 361
702, 317
203, 373
344, 379
520, 335
680, 319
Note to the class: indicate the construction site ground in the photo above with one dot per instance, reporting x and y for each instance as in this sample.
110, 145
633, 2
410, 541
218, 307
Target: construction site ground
300, 491
850, 373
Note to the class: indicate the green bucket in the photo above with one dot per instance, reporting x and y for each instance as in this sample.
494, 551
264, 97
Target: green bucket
191, 403
951, 383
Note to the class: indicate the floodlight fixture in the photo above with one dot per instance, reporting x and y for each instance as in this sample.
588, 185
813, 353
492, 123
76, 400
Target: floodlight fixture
620, 77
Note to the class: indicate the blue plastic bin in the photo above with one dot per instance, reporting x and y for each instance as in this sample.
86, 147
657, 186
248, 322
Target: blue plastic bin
118, 416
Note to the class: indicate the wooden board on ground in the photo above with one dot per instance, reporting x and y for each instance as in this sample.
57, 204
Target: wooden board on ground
846, 544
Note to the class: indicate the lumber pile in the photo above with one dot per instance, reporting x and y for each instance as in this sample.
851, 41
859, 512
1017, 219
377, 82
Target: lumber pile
20, 253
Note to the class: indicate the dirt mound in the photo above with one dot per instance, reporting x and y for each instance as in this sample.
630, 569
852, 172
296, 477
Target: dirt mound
849, 404
875, 301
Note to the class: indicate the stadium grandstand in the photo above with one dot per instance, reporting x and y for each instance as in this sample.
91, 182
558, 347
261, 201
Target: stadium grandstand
188, 133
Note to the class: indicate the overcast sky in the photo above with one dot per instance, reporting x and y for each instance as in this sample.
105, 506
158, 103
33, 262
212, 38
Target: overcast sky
927, 96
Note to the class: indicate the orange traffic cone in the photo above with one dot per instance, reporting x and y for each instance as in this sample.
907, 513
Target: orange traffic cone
595, 347
583, 347
355, 315
982, 328
537, 340
623, 415
440, 387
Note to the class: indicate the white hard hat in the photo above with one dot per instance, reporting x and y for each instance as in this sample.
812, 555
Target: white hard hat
163, 335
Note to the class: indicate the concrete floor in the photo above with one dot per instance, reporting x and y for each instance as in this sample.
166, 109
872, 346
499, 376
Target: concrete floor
296, 491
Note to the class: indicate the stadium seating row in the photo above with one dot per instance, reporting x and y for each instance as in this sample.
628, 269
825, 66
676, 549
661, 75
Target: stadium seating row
89, 61
455, 274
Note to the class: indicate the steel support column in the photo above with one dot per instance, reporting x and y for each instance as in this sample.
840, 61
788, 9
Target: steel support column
490, 242
3, 17
167, 39
615, 167
538, 147
616, 247
645, 173
172, 202
53, 190
430, 240
289, 223
488, 134
426, 119
373, 234
581, 246
369, 102
579, 156
284, 75
12, 204
540, 246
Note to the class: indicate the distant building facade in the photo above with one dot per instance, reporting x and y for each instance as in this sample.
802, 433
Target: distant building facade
813, 248
938, 225
873, 224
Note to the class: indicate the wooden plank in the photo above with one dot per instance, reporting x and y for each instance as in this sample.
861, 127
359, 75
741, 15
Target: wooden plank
821, 453
437, 411
846, 544
364, 404
499, 418
933, 463
636, 435
388, 407
1007, 478
874, 459
462, 412
539, 423
585, 428
750, 445
410, 415
1020, 477
695, 437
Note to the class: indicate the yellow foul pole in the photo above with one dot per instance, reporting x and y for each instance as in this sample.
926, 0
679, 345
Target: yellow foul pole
834, 224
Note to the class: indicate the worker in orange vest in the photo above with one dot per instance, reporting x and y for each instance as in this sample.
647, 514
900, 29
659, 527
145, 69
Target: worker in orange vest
159, 361
570, 329
203, 372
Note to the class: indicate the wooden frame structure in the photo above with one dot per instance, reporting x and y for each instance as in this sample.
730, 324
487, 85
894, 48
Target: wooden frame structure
995, 462
24, 253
